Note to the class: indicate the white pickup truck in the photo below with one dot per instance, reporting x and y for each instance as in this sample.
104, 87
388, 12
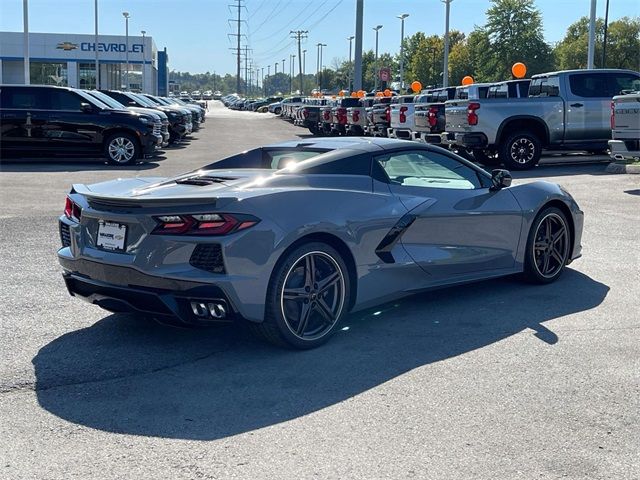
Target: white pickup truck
402, 120
625, 126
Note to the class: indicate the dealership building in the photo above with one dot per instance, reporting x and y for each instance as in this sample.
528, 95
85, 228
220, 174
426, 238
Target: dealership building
69, 60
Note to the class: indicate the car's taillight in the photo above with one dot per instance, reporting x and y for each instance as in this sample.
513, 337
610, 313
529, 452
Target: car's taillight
613, 115
387, 114
403, 116
341, 113
72, 210
432, 116
203, 224
472, 116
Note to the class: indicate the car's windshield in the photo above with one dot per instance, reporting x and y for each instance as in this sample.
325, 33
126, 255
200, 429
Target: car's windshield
93, 100
142, 100
107, 100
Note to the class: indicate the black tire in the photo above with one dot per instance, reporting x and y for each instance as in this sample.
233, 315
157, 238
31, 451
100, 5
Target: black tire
546, 257
486, 157
121, 149
277, 110
520, 150
283, 323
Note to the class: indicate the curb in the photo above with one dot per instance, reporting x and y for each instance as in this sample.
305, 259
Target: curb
622, 168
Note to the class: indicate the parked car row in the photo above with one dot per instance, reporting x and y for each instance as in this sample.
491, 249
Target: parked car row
41, 121
236, 102
508, 123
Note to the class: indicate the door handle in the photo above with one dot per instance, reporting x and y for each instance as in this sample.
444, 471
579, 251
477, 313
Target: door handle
577, 105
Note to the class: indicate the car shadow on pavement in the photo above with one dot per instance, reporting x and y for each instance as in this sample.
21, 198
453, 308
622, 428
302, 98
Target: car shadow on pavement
543, 170
85, 165
135, 377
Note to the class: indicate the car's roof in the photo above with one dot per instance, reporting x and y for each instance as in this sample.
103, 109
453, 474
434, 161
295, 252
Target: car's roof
353, 143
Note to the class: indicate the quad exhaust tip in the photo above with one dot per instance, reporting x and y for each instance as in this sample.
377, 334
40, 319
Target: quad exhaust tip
210, 309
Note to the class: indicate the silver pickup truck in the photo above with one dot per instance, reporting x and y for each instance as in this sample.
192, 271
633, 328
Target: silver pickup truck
566, 110
625, 126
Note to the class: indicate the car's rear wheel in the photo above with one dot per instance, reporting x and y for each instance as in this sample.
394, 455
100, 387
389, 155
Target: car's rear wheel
548, 246
308, 296
520, 151
122, 149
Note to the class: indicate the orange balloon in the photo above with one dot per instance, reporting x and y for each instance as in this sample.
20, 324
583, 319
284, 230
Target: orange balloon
467, 80
354, 95
379, 94
333, 96
416, 86
387, 93
519, 70
361, 93
341, 93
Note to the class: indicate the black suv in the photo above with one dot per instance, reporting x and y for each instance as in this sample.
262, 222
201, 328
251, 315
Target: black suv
39, 121
179, 117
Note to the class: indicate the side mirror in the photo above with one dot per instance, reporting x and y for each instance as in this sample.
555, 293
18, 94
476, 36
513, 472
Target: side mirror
86, 108
500, 179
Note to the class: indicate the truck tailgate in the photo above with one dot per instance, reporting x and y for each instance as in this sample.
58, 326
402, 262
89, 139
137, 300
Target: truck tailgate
456, 116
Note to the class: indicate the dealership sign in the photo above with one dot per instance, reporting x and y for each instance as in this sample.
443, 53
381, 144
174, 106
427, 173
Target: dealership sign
111, 47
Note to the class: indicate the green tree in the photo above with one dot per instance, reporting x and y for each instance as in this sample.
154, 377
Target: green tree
623, 44
515, 32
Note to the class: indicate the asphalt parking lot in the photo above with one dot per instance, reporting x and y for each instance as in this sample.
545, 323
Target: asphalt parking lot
498, 380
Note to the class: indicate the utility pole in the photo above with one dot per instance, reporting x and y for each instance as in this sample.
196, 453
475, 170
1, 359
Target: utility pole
264, 93
592, 35
445, 69
350, 43
299, 35
246, 64
357, 67
239, 5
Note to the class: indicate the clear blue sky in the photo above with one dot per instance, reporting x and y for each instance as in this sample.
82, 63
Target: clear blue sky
195, 31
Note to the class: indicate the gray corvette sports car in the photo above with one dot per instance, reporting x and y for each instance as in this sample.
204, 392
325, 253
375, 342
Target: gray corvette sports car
292, 236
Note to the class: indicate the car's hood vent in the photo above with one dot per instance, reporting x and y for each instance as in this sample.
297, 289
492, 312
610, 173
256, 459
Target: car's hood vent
204, 180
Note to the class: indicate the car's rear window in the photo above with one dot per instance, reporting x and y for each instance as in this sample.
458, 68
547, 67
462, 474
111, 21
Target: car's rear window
272, 158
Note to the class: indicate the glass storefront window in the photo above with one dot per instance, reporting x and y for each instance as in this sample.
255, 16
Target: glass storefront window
48, 73
87, 72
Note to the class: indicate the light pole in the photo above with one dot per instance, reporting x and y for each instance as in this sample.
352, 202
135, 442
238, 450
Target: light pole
283, 65
292, 59
126, 27
350, 45
262, 81
357, 60
95, 41
402, 17
377, 67
320, 46
304, 62
144, 57
445, 69
592, 36
25, 18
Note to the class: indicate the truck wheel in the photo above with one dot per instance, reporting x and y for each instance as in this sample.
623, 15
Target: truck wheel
520, 151
122, 149
488, 158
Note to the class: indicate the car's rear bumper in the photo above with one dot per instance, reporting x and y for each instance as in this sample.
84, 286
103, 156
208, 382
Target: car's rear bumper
468, 140
173, 301
624, 149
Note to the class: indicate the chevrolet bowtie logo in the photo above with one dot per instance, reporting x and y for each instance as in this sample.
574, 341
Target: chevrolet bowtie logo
67, 46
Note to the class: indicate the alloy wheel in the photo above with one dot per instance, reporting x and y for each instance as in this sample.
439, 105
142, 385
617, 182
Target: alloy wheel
522, 150
551, 245
121, 150
312, 296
